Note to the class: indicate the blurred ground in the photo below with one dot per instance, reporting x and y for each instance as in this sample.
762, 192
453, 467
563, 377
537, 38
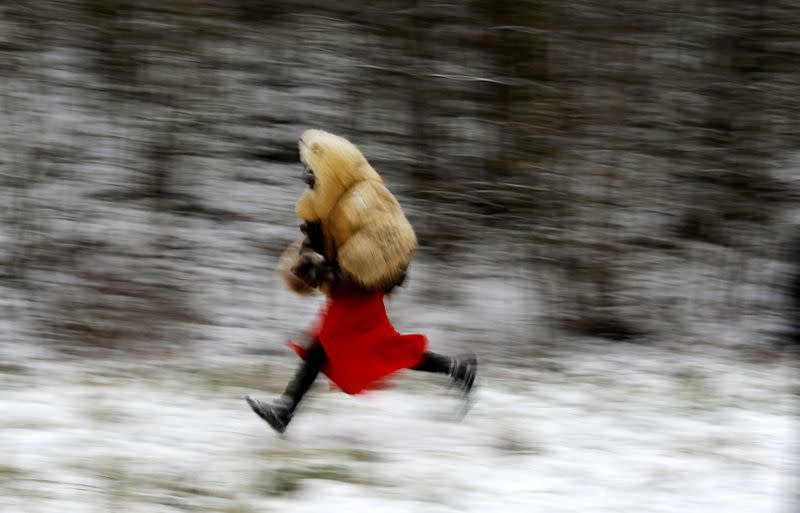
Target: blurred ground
621, 428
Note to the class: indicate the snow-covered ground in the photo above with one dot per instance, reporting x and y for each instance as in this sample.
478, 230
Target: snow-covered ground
615, 429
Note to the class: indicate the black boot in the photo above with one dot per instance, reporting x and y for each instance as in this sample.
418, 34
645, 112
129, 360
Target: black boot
463, 371
279, 414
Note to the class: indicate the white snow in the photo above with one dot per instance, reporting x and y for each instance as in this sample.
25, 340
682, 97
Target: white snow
617, 429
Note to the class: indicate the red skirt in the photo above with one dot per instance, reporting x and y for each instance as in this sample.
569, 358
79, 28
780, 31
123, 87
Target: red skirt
361, 344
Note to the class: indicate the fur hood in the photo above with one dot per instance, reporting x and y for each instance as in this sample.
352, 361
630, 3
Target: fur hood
337, 166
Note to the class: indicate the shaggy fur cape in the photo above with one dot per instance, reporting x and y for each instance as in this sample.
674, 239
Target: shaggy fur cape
364, 228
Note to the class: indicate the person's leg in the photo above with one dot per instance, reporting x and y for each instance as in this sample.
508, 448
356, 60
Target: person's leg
306, 374
462, 370
279, 414
432, 362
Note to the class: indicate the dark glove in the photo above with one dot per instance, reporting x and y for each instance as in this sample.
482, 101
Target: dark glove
314, 270
314, 239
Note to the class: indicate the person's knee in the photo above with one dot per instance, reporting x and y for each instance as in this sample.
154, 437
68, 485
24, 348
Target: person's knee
316, 353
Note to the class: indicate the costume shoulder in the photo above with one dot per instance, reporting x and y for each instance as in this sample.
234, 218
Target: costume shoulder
377, 239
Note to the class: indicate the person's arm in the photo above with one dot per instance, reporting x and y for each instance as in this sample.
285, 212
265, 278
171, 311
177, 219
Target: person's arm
291, 258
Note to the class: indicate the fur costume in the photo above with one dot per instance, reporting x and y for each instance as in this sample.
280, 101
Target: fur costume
357, 243
363, 227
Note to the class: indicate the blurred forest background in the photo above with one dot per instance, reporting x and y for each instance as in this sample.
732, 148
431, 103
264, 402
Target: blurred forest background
622, 169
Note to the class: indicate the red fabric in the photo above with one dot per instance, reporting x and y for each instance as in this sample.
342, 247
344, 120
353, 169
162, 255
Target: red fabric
362, 346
